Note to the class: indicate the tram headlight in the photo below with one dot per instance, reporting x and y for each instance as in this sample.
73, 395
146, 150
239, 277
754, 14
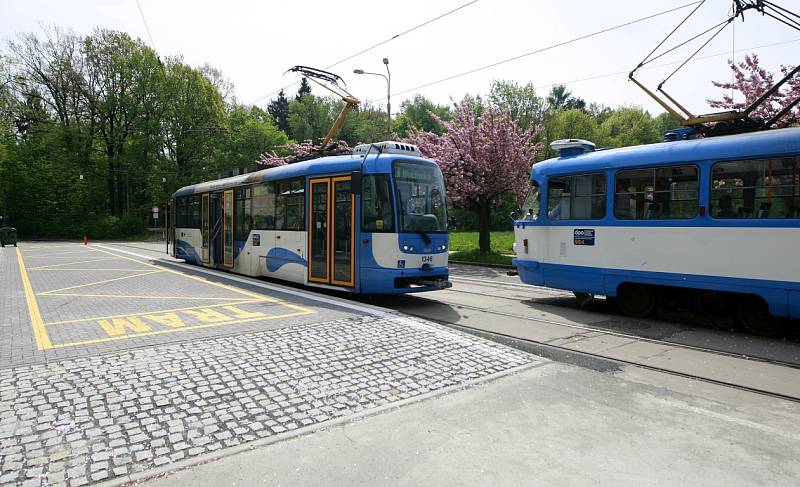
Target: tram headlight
408, 248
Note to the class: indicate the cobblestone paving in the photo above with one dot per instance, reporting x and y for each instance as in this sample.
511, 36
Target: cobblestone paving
86, 420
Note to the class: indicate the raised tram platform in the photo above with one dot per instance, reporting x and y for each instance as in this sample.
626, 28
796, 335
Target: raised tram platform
116, 370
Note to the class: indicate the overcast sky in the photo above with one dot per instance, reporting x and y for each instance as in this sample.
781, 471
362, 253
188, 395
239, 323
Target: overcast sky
255, 42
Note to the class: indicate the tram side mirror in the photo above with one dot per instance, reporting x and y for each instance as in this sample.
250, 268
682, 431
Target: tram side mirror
514, 215
355, 182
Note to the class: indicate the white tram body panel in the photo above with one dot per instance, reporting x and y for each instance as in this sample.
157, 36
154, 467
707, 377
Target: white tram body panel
744, 253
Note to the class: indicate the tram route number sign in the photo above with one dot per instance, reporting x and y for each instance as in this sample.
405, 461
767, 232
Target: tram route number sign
583, 236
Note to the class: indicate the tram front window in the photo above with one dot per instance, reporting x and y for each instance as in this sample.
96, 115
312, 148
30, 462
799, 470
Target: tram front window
420, 197
530, 208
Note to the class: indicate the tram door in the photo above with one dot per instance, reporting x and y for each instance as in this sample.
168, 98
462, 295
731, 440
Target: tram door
227, 228
331, 231
215, 242
205, 226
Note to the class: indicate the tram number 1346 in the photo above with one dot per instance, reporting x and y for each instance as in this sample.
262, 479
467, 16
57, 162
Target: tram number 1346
427, 259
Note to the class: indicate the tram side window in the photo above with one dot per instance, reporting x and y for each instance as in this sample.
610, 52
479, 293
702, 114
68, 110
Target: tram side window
756, 188
576, 197
658, 193
290, 205
193, 212
180, 212
376, 203
187, 212
264, 206
241, 213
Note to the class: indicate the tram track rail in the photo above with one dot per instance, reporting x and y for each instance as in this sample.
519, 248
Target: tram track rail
518, 343
565, 294
604, 331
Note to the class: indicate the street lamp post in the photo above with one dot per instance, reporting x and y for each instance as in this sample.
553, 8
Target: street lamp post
388, 92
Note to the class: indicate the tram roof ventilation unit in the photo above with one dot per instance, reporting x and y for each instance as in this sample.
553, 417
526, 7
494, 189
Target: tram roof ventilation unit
572, 147
388, 147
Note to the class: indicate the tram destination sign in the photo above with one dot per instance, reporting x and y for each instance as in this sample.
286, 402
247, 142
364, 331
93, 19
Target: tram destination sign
583, 236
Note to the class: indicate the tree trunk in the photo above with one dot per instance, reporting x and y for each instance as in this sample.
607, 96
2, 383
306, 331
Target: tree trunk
484, 225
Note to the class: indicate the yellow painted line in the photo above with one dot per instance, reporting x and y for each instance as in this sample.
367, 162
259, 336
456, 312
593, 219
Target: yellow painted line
174, 330
76, 269
97, 318
53, 246
69, 263
202, 298
60, 254
223, 286
100, 282
39, 332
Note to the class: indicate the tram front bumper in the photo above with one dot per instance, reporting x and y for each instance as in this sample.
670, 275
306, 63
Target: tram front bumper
399, 281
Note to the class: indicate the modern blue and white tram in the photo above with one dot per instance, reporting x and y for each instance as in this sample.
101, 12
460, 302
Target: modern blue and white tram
373, 222
713, 221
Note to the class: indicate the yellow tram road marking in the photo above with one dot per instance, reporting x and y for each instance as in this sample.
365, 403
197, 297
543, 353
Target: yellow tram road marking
199, 279
59, 254
72, 246
174, 327
99, 282
39, 332
115, 296
69, 263
97, 318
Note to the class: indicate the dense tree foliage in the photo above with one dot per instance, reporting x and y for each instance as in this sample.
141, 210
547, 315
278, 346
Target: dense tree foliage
94, 130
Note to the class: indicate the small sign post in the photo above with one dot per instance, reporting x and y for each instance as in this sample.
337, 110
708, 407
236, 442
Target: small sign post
155, 216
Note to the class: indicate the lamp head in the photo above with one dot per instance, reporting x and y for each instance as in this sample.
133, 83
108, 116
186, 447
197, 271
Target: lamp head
358, 71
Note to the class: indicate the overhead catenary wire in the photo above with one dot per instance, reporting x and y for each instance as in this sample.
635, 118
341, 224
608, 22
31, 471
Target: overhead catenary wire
363, 51
147, 28
548, 48
663, 65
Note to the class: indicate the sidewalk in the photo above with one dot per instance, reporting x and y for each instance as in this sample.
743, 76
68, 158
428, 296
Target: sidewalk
551, 425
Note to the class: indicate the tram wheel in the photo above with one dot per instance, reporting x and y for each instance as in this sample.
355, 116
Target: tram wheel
716, 309
636, 300
755, 317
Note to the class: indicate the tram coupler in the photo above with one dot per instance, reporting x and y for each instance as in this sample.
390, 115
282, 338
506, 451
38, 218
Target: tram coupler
437, 284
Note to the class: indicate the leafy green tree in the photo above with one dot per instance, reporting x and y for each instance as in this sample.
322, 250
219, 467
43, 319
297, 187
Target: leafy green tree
561, 98
279, 110
311, 117
665, 122
629, 126
526, 107
305, 89
193, 121
420, 113
249, 137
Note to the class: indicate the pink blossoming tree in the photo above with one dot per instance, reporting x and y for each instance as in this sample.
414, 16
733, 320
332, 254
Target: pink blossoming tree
296, 152
482, 157
752, 81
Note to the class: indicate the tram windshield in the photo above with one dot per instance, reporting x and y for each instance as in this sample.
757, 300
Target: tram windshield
420, 197
530, 208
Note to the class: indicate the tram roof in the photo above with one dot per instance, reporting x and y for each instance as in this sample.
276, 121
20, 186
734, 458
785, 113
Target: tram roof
770, 143
377, 163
